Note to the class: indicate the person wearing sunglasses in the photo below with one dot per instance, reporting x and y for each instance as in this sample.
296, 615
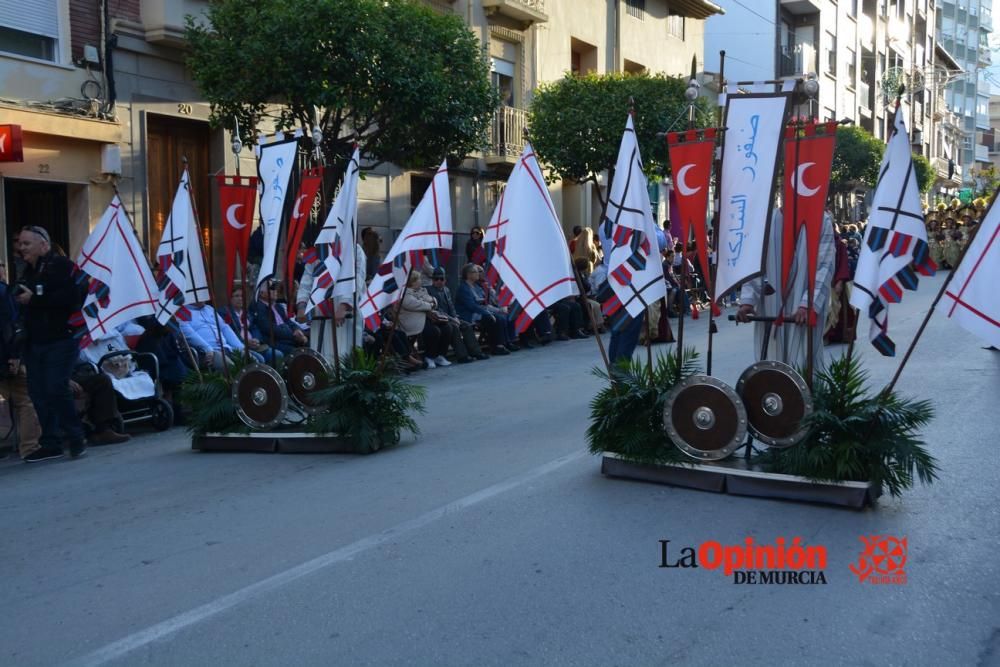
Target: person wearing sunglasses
48, 296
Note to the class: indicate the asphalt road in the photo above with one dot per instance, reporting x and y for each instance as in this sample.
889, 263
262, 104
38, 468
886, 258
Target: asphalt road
493, 539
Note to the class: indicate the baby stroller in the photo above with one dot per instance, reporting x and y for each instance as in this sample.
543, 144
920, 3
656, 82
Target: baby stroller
135, 377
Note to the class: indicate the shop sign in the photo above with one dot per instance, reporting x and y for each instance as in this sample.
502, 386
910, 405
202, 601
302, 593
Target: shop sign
10, 144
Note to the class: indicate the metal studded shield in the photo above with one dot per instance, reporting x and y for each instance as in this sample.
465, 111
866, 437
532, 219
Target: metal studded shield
777, 400
307, 372
705, 418
260, 396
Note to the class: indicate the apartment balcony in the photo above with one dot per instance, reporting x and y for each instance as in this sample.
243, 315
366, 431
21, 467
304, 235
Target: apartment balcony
801, 6
163, 21
940, 165
506, 136
865, 98
525, 11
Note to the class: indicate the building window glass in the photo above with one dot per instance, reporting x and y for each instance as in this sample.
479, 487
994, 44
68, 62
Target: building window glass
675, 26
636, 8
30, 29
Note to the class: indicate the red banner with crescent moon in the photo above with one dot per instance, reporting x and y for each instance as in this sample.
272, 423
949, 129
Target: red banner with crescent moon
808, 162
237, 200
691, 156
311, 181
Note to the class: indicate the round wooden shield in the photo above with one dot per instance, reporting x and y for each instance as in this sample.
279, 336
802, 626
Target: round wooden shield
307, 372
260, 396
777, 400
705, 418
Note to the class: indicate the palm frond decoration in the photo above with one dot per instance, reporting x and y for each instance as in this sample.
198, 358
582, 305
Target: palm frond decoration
208, 401
857, 435
626, 416
370, 408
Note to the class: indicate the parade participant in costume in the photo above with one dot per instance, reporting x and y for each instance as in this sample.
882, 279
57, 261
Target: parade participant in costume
348, 328
840, 319
788, 341
48, 296
948, 251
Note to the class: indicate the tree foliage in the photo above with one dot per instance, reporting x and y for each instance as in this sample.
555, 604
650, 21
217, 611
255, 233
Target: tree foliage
410, 83
577, 121
856, 159
924, 171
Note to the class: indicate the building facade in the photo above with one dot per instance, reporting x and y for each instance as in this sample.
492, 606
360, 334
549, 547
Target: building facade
964, 27
860, 51
103, 99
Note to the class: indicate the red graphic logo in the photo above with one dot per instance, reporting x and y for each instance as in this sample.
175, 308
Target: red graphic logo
882, 561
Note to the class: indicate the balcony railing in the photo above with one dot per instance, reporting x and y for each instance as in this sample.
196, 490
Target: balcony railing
526, 11
506, 134
982, 153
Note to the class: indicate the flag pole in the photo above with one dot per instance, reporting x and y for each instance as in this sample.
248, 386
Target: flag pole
237, 148
317, 137
208, 276
649, 337
593, 320
392, 330
692, 94
713, 269
923, 325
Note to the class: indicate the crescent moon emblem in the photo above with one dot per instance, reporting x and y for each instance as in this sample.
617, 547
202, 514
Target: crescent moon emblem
296, 213
231, 216
799, 184
682, 187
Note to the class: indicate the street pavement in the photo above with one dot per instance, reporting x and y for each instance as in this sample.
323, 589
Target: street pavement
493, 539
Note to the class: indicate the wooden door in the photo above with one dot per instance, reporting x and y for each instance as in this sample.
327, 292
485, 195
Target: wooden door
168, 141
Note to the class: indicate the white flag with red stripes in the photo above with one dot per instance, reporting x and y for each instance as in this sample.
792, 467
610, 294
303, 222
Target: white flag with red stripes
527, 247
121, 285
427, 236
973, 296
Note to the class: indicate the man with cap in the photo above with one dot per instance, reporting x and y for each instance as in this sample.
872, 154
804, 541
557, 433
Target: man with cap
463, 340
48, 296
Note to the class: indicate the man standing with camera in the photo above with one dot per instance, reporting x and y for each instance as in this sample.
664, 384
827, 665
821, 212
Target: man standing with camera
48, 296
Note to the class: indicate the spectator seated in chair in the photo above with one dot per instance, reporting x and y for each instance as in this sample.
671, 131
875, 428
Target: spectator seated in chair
203, 333
271, 317
97, 390
463, 340
418, 317
472, 306
243, 325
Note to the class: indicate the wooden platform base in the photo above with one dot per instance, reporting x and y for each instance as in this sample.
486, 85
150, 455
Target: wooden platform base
277, 441
736, 478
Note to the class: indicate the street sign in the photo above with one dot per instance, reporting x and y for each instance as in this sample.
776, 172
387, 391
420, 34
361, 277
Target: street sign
10, 144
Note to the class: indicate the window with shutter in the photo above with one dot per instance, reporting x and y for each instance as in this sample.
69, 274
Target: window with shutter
30, 28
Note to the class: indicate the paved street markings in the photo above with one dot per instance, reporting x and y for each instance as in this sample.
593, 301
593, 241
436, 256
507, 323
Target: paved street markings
206, 611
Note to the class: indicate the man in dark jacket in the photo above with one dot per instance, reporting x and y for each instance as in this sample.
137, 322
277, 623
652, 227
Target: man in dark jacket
48, 295
464, 340
13, 379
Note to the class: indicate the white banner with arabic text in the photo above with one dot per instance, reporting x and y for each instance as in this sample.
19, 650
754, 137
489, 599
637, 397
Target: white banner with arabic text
754, 125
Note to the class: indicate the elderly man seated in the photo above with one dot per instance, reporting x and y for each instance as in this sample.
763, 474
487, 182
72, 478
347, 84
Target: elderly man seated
463, 340
202, 333
241, 321
270, 315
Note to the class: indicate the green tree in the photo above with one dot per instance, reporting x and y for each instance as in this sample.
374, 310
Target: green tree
577, 122
410, 84
925, 172
856, 159
986, 181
